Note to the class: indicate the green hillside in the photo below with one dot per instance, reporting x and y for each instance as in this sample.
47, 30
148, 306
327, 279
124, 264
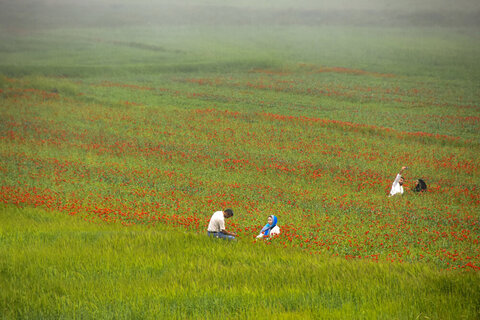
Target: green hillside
125, 125
56, 266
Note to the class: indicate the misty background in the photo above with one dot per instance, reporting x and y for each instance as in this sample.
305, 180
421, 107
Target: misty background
22, 15
90, 38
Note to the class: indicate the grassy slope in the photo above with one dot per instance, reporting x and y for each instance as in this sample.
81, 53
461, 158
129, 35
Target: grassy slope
435, 70
97, 71
55, 266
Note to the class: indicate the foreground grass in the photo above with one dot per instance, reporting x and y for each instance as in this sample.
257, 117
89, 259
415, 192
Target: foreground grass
54, 266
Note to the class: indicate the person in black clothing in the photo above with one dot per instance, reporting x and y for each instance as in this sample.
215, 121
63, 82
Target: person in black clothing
420, 186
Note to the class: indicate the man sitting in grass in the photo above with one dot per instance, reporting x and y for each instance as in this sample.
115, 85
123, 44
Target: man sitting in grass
216, 226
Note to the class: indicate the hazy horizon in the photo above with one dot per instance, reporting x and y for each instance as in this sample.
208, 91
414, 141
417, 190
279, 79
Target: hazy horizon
38, 14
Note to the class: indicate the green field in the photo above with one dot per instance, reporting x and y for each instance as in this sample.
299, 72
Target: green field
124, 127
56, 266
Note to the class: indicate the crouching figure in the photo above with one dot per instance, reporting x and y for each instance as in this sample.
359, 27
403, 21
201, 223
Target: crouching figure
270, 229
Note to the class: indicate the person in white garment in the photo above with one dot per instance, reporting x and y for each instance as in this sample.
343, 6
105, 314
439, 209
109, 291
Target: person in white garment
397, 185
270, 229
216, 226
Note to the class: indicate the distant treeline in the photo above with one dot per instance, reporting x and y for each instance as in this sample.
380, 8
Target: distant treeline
21, 15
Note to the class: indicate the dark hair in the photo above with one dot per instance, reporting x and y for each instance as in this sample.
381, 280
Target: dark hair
229, 212
421, 186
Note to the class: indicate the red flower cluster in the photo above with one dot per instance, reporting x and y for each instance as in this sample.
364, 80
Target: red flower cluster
326, 180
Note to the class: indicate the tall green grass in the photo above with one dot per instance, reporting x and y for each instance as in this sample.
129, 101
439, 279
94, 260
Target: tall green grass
54, 266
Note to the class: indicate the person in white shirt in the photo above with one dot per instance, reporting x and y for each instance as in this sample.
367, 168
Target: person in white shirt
397, 185
216, 226
270, 229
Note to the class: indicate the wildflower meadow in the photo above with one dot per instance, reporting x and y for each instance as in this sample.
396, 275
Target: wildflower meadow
115, 152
